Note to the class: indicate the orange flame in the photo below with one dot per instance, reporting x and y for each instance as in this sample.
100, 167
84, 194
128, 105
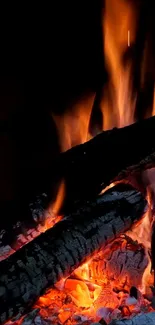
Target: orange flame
73, 126
141, 233
51, 217
52, 214
119, 27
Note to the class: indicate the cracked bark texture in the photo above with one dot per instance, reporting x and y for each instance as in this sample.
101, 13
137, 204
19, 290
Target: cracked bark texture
22, 233
26, 274
123, 262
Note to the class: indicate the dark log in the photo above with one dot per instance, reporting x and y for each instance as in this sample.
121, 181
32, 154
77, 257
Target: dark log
112, 155
144, 319
14, 236
56, 253
88, 168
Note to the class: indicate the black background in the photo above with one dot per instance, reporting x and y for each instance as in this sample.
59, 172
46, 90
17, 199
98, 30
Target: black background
49, 56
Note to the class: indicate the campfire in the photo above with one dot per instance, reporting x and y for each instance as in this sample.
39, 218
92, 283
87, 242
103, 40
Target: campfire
88, 255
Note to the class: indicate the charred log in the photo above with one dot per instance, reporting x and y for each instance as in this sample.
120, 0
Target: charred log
123, 262
112, 155
15, 236
56, 253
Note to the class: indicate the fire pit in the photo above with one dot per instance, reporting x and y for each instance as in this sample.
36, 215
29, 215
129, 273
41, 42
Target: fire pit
97, 257
85, 252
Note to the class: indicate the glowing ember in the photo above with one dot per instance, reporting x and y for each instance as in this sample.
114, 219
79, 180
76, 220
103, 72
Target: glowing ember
101, 286
49, 217
104, 287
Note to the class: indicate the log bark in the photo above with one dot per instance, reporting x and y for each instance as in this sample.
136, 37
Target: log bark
56, 253
112, 155
144, 319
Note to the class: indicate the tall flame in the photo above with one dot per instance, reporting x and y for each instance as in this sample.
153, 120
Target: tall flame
119, 28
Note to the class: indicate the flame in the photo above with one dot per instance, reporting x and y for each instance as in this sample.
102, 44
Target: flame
141, 233
89, 294
117, 102
52, 215
49, 218
73, 125
79, 292
119, 28
56, 206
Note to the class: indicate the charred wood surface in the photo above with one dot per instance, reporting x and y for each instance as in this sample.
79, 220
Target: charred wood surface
144, 319
56, 253
15, 236
123, 262
112, 155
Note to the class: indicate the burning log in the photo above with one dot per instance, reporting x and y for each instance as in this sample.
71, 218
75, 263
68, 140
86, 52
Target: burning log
56, 253
123, 262
22, 232
88, 168
143, 319
112, 155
